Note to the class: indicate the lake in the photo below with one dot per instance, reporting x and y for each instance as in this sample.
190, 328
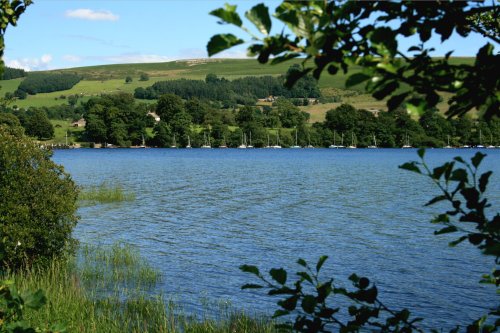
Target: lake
201, 213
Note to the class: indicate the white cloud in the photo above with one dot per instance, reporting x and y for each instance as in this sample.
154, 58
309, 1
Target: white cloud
92, 15
31, 64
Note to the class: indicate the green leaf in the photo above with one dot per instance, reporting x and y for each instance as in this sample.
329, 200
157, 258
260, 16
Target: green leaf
309, 303
250, 269
35, 300
483, 181
441, 218
385, 37
259, 16
289, 303
221, 42
446, 230
305, 276
459, 159
410, 166
278, 275
228, 15
457, 241
302, 262
279, 313
476, 160
320, 263
459, 175
396, 100
251, 286
356, 79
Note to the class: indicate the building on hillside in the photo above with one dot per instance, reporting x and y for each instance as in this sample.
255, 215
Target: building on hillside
154, 115
79, 123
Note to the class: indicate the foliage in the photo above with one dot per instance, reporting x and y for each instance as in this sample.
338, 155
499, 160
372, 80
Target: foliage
144, 77
37, 124
12, 306
113, 288
337, 35
37, 203
116, 119
128, 79
10, 73
464, 188
10, 13
105, 193
44, 83
316, 303
242, 90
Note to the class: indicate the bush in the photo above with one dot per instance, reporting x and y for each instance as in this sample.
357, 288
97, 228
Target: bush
37, 203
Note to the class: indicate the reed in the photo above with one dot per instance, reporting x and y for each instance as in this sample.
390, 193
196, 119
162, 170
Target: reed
112, 289
105, 193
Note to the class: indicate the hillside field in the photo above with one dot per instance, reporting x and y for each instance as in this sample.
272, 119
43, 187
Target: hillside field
111, 79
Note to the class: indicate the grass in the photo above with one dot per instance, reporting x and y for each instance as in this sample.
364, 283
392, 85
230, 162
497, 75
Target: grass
108, 302
105, 193
111, 79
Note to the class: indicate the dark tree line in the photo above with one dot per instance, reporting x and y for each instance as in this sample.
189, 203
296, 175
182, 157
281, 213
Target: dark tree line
396, 128
115, 119
10, 73
44, 83
239, 91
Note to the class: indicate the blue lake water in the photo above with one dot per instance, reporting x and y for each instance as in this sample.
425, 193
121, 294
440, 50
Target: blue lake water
200, 214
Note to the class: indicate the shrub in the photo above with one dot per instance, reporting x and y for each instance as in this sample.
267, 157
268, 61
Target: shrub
37, 203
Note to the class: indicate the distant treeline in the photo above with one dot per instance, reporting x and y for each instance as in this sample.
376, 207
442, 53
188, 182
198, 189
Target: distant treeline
242, 91
10, 73
45, 83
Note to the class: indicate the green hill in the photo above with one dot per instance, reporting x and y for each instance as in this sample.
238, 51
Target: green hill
111, 78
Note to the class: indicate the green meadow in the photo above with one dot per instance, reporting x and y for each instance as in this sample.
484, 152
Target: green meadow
111, 79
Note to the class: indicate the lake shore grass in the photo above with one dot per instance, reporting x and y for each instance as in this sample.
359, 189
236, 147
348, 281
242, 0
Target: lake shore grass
112, 289
105, 193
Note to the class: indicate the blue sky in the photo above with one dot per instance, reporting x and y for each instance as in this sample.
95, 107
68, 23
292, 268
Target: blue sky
66, 33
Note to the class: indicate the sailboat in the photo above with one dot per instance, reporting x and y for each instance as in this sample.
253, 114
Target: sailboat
205, 143
341, 142
250, 142
448, 145
296, 145
277, 145
353, 143
243, 141
334, 143
189, 143
491, 143
174, 145
480, 145
407, 141
143, 144
374, 146
268, 144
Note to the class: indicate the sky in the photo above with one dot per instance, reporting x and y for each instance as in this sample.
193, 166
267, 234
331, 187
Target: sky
54, 34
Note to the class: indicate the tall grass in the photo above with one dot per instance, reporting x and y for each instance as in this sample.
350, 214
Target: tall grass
111, 289
105, 193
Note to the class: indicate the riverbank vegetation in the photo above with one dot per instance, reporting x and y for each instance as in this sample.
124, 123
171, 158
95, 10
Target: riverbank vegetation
105, 193
113, 289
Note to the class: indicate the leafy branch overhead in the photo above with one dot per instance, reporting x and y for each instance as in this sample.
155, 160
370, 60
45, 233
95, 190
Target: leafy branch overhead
337, 35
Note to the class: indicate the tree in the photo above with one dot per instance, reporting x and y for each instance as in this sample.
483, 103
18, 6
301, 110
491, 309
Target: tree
10, 13
335, 35
39, 125
37, 203
128, 79
169, 105
144, 77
